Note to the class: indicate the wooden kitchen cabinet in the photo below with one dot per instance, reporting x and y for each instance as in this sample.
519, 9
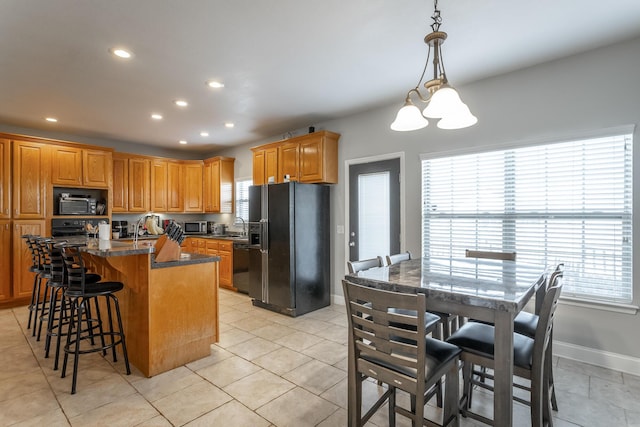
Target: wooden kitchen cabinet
29, 180
159, 186
288, 161
5, 260
22, 284
311, 158
265, 164
5, 178
120, 187
319, 157
80, 167
175, 186
225, 252
219, 193
139, 184
193, 186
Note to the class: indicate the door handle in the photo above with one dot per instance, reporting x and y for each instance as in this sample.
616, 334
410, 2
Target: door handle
352, 244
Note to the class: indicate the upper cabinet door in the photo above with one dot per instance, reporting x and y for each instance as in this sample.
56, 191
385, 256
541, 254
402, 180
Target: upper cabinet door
193, 174
288, 160
159, 185
139, 181
120, 188
175, 187
271, 164
97, 168
66, 166
30, 175
5, 178
258, 168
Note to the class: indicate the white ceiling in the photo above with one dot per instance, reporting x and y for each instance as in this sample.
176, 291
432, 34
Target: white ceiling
286, 64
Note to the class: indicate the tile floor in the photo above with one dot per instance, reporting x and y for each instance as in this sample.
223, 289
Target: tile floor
267, 370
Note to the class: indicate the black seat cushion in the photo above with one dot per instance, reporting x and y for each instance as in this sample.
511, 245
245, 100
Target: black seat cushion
96, 289
479, 338
92, 278
430, 319
526, 323
437, 353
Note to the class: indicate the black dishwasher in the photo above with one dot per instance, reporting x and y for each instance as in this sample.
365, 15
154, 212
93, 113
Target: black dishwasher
241, 266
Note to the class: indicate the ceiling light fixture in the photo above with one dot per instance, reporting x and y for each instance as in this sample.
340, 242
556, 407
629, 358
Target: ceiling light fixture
229, 125
181, 103
51, 119
443, 102
204, 133
120, 53
156, 116
183, 142
215, 84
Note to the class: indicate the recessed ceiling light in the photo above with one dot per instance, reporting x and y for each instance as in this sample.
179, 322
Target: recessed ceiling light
204, 133
51, 119
215, 84
120, 53
181, 103
156, 116
229, 125
183, 142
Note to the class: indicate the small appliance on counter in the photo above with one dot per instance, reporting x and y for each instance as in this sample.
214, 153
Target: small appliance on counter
195, 227
217, 229
71, 204
120, 227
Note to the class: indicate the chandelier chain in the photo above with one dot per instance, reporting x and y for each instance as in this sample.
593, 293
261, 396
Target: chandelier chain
437, 20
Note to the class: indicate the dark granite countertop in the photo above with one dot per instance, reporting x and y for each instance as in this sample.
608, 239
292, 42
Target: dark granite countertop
185, 259
233, 238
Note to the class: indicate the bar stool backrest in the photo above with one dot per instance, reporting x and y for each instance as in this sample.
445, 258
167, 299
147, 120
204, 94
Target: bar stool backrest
74, 268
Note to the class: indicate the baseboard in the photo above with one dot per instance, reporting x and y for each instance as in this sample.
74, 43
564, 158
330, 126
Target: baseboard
605, 359
337, 299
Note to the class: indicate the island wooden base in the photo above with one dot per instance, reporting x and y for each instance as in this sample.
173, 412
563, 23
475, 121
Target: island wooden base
170, 315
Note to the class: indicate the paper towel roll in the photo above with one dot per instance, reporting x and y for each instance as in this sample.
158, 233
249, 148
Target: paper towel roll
104, 231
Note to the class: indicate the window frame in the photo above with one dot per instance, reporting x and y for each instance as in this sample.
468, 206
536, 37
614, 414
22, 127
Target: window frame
582, 301
239, 182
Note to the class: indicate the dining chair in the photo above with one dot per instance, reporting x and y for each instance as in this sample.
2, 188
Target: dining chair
396, 258
530, 356
364, 264
448, 321
394, 349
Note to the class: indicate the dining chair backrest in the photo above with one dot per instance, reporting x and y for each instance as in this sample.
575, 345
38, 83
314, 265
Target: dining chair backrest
504, 256
396, 258
363, 264
546, 317
383, 337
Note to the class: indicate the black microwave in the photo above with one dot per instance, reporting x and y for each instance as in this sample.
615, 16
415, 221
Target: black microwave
77, 206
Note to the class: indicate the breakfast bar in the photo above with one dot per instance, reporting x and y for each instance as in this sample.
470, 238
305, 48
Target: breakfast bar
169, 309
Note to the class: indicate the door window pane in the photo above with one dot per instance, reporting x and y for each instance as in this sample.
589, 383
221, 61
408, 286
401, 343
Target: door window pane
374, 220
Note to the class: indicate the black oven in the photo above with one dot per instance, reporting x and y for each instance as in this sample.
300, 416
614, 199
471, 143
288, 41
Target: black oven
73, 226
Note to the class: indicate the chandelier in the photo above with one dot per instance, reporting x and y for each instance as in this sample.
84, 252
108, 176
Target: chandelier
443, 102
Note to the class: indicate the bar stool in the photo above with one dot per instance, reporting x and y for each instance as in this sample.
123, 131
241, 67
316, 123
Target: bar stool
35, 268
79, 295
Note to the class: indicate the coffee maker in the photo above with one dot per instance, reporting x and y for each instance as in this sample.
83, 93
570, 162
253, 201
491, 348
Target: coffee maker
121, 227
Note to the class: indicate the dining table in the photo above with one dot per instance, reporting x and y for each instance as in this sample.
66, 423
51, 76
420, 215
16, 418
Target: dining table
488, 290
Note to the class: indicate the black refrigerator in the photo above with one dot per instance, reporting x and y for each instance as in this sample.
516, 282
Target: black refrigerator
289, 256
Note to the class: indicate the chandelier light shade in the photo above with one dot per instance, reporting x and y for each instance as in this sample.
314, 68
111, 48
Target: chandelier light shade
443, 101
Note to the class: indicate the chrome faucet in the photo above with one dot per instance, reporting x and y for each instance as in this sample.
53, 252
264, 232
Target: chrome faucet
137, 229
244, 225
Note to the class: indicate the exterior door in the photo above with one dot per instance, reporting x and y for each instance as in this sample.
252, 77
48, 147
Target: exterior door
374, 209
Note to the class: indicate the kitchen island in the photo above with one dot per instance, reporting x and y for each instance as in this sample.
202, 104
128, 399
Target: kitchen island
169, 309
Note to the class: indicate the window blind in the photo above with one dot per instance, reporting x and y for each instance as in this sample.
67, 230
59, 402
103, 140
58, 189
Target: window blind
565, 202
242, 198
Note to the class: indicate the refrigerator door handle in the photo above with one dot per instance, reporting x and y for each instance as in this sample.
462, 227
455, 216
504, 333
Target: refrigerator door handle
264, 235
